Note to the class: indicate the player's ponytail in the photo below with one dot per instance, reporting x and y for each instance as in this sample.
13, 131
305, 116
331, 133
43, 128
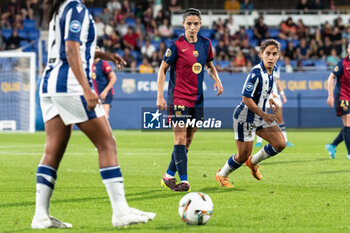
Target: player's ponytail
53, 6
192, 11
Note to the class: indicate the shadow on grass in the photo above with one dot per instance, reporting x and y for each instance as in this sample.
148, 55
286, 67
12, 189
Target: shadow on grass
294, 161
333, 172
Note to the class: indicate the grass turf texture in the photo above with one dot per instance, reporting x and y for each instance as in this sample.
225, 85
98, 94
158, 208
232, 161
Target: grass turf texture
302, 190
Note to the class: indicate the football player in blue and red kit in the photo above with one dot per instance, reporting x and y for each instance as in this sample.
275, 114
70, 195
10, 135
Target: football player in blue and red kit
186, 57
339, 98
103, 79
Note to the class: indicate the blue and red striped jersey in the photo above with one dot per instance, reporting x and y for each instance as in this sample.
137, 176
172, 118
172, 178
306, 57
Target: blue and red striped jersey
342, 72
100, 77
187, 62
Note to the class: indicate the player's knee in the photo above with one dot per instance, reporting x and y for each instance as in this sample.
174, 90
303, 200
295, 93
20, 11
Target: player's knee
280, 146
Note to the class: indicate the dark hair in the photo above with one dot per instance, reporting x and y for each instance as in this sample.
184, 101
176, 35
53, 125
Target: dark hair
53, 6
191, 11
269, 42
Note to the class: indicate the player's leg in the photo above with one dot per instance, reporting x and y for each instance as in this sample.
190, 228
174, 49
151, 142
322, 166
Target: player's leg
107, 108
276, 140
332, 147
57, 137
282, 125
346, 132
244, 135
99, 132
258, 141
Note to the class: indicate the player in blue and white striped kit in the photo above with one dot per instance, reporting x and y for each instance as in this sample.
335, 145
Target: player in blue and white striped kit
67, 98
250, 118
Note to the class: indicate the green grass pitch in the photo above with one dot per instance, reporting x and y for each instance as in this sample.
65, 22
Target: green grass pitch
303, 190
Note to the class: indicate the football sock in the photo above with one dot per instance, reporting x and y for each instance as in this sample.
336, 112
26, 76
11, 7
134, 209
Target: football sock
170, 173
258, 139
346, 136
339, 138
181, 161
284, 131
266, 152
45, 182
113, 180
230, 165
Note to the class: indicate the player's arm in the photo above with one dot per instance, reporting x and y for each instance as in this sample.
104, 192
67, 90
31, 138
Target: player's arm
112, 79
249, 102
214, 75
330, 99
161, 103
281, 91
74, 61
115, 58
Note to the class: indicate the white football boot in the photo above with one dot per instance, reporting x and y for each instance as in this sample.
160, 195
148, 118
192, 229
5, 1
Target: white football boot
43, 222
129, 217
149, 215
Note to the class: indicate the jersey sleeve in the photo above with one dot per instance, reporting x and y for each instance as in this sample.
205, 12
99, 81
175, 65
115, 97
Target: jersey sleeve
106, 68
210, 53
250, 84
338, 69
75, 21
170, 54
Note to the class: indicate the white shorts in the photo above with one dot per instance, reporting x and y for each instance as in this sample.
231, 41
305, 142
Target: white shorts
277, 100
72, 109
245, 132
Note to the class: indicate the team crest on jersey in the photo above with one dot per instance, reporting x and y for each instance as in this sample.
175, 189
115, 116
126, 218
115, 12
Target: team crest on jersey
197, 68
249, 86
168, 53
336, 68
195, 53
129, 85
93, 75
75, 26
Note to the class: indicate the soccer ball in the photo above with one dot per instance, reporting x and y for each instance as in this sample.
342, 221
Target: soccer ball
196, 208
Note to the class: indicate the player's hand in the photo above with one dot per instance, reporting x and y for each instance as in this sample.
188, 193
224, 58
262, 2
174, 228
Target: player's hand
218, 86
161, 103
91, 99
330, 101
269, 118
118, 61
103, 95
273, 105
284, 98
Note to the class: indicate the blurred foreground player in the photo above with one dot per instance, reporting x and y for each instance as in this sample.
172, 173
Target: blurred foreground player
67, 98
186, 58
250, 118
339, 98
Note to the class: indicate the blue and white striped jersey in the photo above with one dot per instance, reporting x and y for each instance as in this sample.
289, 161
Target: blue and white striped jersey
74, 23
257, 86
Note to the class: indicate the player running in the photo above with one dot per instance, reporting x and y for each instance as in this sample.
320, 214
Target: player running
186, 58
66, 98
103, 79
277, 93
250, 117
339, 97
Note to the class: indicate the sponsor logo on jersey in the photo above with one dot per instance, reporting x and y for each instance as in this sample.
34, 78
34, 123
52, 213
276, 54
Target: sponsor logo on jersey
168, 53
197, 68
75, 26
249, 86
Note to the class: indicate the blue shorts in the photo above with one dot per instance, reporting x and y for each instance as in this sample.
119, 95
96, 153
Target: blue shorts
341, 107
178, 113
108, 99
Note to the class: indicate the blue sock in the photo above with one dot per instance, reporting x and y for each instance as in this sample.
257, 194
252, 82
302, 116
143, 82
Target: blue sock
233, 163
172, 167
346, 136
270, 150
111, 175
339, 138
180, 159
282, 127
46, 175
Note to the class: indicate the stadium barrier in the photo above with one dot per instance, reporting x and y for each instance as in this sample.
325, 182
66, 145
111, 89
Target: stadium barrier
306, 93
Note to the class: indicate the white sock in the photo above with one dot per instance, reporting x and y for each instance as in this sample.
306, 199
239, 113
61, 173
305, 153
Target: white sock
116, 195
260, 156
168, 176
259, 139
230, 165
225, 170
285, 135
46, 177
